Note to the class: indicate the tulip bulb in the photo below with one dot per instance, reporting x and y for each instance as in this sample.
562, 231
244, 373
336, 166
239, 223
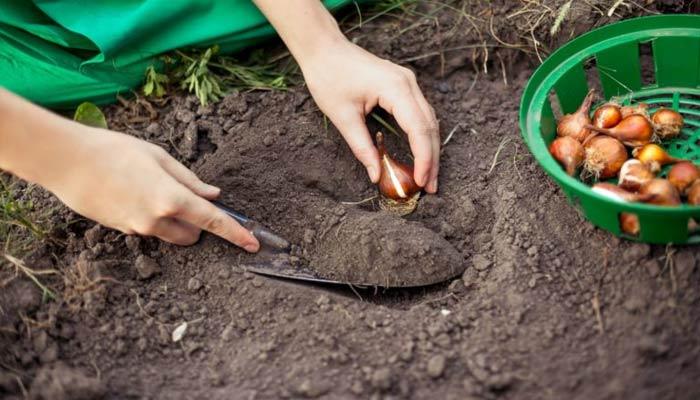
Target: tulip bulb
634, 130
639, 108
629, 224
654, 156
575, 125
693, 193
662, 192
619, 194
668, 123
634, 174
568, 152
682, 175
607, 116
396, 179
604, 156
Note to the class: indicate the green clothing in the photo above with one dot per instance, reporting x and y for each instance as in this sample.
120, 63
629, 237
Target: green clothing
60, 52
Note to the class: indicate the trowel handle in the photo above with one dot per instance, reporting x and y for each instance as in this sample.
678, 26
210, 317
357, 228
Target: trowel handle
242, 219
265, 236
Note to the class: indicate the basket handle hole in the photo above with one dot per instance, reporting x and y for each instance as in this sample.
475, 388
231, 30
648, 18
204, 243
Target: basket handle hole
646, 62
556, 105
629, 224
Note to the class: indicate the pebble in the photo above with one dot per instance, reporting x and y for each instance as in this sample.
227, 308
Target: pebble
313, 388
381, 379
436, 366
652, 347
146, 267
480, 262
309, 235
268, 140
469, 277
194, 285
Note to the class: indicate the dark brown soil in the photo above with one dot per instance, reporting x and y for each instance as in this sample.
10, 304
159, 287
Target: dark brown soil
547, 306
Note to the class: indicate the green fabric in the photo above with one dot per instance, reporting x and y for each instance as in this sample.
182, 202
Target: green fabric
61, 52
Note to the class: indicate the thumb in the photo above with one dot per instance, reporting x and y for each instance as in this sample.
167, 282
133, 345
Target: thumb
355, 133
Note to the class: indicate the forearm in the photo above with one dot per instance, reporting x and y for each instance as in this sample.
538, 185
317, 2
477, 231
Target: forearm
305, 26
35, 144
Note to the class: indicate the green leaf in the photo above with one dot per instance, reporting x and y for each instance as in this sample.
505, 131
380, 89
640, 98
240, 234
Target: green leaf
91, 115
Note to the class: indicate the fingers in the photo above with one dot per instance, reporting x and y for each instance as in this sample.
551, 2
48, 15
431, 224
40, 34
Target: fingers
188, 178
354, 130
176, 232
429, 114
204, 215
421, 129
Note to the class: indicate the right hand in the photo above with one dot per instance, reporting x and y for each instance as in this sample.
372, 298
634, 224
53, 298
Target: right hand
138, 188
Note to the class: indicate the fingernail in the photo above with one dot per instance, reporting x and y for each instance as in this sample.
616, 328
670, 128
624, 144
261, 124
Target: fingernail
251, 247
435, 185
373, 174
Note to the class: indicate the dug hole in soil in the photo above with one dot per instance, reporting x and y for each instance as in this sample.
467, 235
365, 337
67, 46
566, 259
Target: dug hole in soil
547, 306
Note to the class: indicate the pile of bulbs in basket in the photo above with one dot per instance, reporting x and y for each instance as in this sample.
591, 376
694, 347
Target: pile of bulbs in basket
599, 146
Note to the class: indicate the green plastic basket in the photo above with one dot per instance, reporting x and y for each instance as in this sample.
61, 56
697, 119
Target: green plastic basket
675, 44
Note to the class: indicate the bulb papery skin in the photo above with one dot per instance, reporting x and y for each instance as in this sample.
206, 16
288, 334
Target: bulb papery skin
575, 125
634, 174
668, 123
607, 116
683, 174
396, 179
639, 108
634, 130
604, 156
661, 192
568, 152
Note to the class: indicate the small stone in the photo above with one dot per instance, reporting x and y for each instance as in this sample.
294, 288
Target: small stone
309, 235
469, 277
184, 115
436, 366
146, 267
194, 284
381, 379
153, 129
357, 388
499, 382
532, 251
480, 262
268, 140
313, 388
652, 347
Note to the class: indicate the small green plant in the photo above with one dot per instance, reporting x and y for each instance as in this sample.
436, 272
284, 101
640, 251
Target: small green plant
18, 233
155, 83
209, 75
195, 76
91, 115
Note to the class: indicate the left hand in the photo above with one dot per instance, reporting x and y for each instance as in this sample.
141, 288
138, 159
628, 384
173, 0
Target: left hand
347, 82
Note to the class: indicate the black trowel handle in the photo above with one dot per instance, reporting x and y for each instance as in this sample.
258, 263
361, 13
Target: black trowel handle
265, 236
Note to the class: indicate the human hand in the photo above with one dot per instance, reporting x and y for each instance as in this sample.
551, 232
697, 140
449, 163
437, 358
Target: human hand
137, 187
347, 82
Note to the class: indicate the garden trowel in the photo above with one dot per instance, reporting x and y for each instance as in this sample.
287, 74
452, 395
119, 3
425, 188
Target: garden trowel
274, 260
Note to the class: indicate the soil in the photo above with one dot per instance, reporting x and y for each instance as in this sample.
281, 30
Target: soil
537, 302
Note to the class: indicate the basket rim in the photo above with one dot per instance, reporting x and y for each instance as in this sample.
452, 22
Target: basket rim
575, 51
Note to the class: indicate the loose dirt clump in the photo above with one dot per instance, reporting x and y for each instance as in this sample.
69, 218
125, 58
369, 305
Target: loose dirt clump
547, 305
